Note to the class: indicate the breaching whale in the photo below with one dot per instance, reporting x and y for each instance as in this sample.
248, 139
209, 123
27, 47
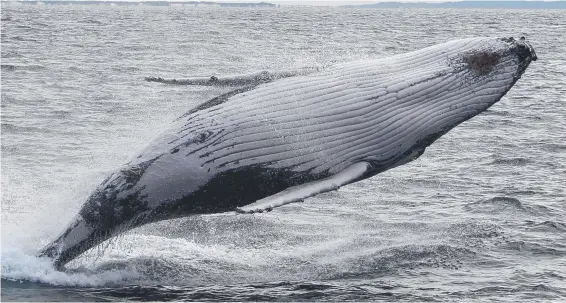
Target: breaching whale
284, 137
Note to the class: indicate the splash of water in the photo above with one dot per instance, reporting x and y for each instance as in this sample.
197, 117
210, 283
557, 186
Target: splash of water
18, 265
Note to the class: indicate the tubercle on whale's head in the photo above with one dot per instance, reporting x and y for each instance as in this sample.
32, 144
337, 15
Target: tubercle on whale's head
524, 52
494, 56
487, 68
523, 48
482, 62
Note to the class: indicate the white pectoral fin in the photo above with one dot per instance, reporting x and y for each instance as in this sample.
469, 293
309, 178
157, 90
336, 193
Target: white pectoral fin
300, 192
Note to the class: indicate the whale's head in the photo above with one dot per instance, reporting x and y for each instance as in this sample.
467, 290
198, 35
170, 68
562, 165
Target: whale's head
497, 61
447, 84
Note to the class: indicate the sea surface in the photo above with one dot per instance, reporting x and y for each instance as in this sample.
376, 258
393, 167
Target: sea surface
480, 216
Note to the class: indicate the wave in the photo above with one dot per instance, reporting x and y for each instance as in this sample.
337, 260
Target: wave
91, 21
406, 257
521, 292
263, 292
534, 248
11, 54
12, 128
511, 161
499, 202
555, 147
547, 226
499, 113
10, 67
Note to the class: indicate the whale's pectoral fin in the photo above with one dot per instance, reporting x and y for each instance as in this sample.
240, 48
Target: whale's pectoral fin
238, 80
300, 192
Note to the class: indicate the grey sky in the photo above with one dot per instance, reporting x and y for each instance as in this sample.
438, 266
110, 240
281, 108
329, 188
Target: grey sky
326, 2
335, 2
313, 2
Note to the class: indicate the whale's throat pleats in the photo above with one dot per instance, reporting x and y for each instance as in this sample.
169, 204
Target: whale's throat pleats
272, 136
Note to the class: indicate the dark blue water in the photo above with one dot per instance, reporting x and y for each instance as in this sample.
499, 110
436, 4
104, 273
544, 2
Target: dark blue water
480, 216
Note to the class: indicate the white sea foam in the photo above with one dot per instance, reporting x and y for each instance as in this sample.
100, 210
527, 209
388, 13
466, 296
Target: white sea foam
20, 265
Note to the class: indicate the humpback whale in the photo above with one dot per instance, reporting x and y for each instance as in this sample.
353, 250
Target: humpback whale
282, 137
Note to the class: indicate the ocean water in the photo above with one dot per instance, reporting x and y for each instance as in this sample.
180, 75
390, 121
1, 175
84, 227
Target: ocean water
480, 216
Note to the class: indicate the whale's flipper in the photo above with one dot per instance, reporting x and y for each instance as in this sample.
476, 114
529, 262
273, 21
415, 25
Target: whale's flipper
238, 80
298, 193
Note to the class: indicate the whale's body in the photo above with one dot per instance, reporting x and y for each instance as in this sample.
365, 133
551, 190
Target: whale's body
269, 144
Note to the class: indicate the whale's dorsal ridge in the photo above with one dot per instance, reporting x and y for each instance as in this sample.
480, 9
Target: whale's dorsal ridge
298, 193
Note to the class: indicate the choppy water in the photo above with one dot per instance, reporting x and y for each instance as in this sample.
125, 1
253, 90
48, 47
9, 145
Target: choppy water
480, 216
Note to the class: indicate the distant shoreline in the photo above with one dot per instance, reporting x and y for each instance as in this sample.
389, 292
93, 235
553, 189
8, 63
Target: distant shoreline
145, 3
518, 4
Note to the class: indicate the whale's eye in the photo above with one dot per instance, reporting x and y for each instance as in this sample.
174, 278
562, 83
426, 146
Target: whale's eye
482, 62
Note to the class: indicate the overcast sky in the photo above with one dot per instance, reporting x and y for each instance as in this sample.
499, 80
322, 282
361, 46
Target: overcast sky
325, 2
331, 2
315, 2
